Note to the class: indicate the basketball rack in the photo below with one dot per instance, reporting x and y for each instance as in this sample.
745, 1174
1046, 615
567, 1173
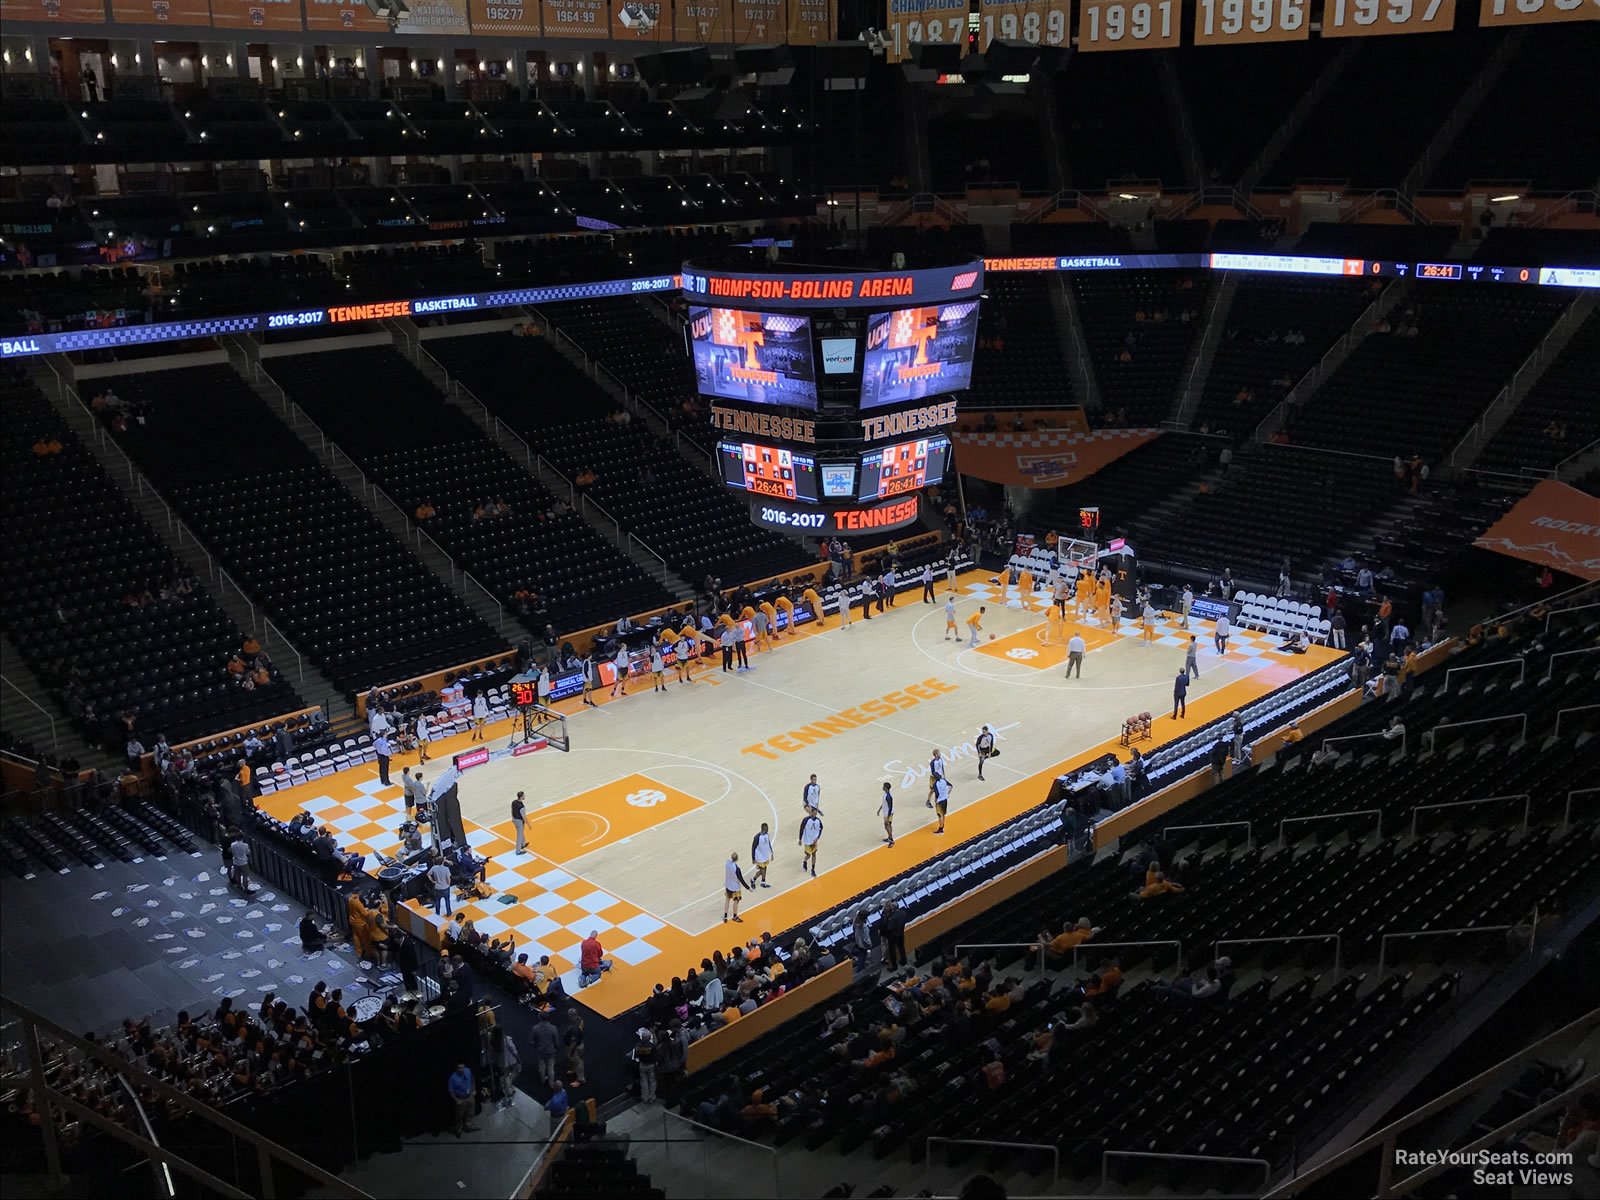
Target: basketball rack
541, 724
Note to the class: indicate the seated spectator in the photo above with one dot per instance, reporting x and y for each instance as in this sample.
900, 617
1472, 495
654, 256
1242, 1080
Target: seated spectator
1156, 884
425, 510
312, 938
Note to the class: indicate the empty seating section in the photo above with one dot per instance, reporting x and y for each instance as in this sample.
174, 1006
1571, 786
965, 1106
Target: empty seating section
1108, 142
98, 606
1274, 501
1295, 1030
982, 148
1238, 95
1125, 489
576, 427
1140, 327
1020, 360
1416, 388
1276, 330
1514, 135
419, 448
340, 588
1560, 415
1384, 88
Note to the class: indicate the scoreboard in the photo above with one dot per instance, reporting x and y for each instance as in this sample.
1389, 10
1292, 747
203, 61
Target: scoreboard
852, 451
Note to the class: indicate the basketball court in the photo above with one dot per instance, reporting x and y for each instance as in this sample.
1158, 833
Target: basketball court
629, 831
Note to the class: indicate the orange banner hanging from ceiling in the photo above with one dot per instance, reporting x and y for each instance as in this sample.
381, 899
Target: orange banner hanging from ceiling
1553, 526
1043, 458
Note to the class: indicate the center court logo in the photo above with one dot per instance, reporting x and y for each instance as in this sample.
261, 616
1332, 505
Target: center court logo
646, 798
1022, 652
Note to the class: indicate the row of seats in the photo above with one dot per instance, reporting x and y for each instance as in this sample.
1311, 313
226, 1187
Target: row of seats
1140, 327
1560, 416
337, 584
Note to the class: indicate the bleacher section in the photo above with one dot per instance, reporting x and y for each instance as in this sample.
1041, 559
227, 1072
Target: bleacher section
326, 573
1416, 388
98, 606
1152, 317
704, 530
1020, 361
1560, 416
1276, 331
419, 448
1125, 490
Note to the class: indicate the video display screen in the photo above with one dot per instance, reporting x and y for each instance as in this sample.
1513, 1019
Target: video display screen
839, 481
904, 467
762, 358
917, 352
838, 355
768, 470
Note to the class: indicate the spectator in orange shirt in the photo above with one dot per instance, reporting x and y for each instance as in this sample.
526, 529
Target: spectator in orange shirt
1105, 982
236, 666
1157, 884
424, 511
261, 676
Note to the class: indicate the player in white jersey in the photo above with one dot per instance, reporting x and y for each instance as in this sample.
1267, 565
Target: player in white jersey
761, 855
950, 626
811, 795
810, 837
941, 800
733, 886
935, 773
886, 811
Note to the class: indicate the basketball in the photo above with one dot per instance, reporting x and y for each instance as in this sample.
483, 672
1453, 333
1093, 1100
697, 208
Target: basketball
991, 637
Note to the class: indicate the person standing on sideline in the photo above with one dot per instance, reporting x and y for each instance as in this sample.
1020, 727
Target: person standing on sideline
408, 790
241, 863
811, 795
542, 686
975, 625
892, 926
464, 1097
439, 877
810, 838
941, 801
381, 751
985, 747
620, 665
572, 1043
591, 679
480, 718
1075, 649
1149, 616
763, 630
739, 647
935, 772
1180, 694
1336, 628
644, 1057
1219, 759
733, 886
927, 583
761, 856
844, 605
544, 1042
868, 590
1191, 658
1184, 605
950, 571
726, 642
886, 811
1221, 636
424, 736
891, 583
951, 629
518, 809
658, 668
1237, 726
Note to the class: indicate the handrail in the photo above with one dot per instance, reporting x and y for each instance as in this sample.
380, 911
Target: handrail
1429, 735
1033, 945
1556, 612
1383, 944
1249, 834
1336, 938
300, 663
1550, 670
1266, 1167
666, 571
267, 1151
1527, 807
777, 1189
499, 609
1566, 816
224, 581
1178, 965
1354, 812
1587, 586
1579, 453
1520, 663
1054, 1151
1387, 1136
1359, 737
560, 1138
1576, 708
55, 744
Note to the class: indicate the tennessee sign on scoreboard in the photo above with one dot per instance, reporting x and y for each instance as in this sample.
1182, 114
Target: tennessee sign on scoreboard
1038, 22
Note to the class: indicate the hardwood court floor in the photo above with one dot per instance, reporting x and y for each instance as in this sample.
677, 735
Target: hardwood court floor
630, 830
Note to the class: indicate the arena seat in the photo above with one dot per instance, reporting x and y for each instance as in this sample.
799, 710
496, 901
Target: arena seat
1153, 317
1559, 417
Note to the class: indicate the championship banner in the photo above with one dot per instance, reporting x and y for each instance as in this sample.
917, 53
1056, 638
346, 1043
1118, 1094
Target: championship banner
1043, 458
757, 22
914, 21
641, 21
73, 12
1537, 12
1553, 526
161, 12
490, 18
1129, 24
423, 16
702, 22
1374, 18
256, 14
810, 22
1037, 22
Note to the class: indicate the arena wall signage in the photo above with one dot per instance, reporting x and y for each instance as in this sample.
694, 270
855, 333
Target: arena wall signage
833, 289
